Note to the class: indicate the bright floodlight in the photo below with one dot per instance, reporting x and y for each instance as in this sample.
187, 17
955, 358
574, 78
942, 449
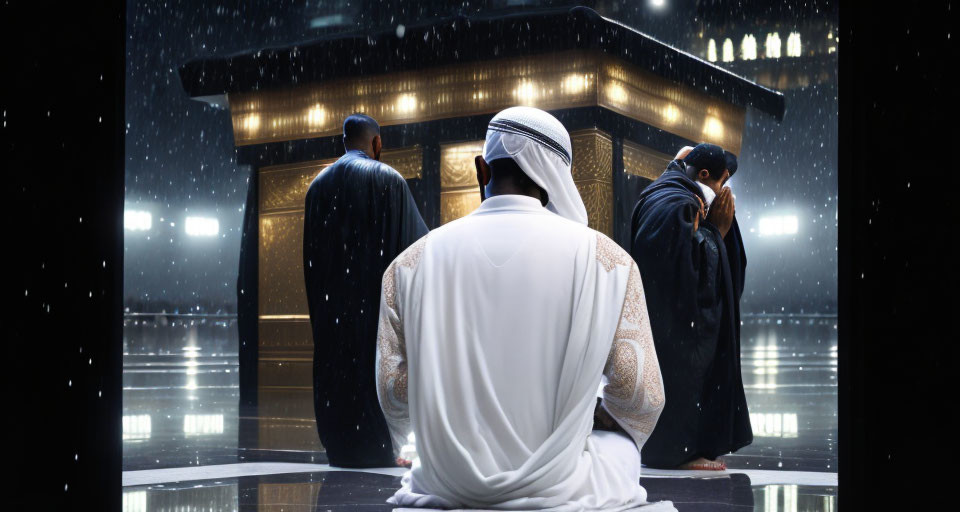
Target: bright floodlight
202, 226
136, 220
778, 225
658, 4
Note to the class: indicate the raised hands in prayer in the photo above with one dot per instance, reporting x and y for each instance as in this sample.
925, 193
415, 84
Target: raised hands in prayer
722, 210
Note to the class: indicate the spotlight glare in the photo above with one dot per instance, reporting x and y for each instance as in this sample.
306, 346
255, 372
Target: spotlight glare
778, 225
137, 220
202, 226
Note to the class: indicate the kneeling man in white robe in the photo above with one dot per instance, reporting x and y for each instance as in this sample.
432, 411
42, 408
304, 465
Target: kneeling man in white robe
495, 332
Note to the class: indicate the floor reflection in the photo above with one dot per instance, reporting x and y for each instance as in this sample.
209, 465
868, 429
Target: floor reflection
180, 392
789, 365
794, 498
343, 490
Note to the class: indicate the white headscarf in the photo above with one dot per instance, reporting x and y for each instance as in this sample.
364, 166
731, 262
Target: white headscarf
540, 145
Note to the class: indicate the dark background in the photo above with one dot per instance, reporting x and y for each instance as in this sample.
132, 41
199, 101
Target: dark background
180, 158
895, 267
62, 157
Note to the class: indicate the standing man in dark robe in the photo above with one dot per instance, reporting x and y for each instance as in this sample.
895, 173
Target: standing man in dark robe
688, 247
359, 215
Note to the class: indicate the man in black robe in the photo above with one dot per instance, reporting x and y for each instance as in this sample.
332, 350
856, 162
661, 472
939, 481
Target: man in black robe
359, 216
688, 246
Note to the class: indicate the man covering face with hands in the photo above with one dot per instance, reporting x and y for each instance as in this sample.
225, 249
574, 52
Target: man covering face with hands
687, 245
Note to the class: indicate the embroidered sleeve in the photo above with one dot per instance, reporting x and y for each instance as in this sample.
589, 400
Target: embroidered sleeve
391, 360
634, 393
391, 364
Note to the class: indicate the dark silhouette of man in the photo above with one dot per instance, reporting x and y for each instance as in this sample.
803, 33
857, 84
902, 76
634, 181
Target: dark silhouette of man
359, 215
687, 245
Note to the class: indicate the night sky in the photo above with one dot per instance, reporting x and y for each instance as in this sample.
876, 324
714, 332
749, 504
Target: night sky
180, 159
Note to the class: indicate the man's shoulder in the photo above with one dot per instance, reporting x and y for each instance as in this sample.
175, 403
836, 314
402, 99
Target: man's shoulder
609, 253
374, 168
664, 196
357, 170
410, 257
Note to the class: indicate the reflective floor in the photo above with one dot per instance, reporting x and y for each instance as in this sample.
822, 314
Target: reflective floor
342, 490
789, 366
180, 390
180, 409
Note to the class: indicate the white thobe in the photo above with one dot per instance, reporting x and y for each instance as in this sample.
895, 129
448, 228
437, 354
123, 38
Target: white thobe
494, 332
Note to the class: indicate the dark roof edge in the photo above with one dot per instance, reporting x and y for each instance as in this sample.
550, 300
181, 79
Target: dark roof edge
458, 39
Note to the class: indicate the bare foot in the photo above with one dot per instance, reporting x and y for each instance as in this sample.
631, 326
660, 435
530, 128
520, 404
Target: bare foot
404, 463
702, 464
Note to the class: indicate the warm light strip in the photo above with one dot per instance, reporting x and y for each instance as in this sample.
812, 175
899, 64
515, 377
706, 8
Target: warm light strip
556, 81
284, 317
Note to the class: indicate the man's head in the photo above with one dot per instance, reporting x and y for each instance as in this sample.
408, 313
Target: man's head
362, 132
537, 158
710, 165
684, 151
504, 176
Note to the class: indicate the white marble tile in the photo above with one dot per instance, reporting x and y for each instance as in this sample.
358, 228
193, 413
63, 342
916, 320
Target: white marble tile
166, 475
757, 476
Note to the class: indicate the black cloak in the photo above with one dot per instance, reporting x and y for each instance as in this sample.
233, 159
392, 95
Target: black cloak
693, 283
359, 215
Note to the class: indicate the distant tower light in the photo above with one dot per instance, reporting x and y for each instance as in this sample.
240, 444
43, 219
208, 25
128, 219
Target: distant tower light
202, 226
772, 45
136, 220
748, 48
793, 44
712, 50
727, 50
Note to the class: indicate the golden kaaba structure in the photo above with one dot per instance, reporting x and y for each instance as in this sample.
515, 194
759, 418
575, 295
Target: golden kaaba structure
629, 102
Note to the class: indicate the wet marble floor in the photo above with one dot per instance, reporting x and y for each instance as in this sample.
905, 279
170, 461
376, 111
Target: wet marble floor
355, 490
181, 410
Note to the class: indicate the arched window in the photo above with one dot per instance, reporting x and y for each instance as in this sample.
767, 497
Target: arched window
793, 44
727, 50
748, 48
712, 50
772, 46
